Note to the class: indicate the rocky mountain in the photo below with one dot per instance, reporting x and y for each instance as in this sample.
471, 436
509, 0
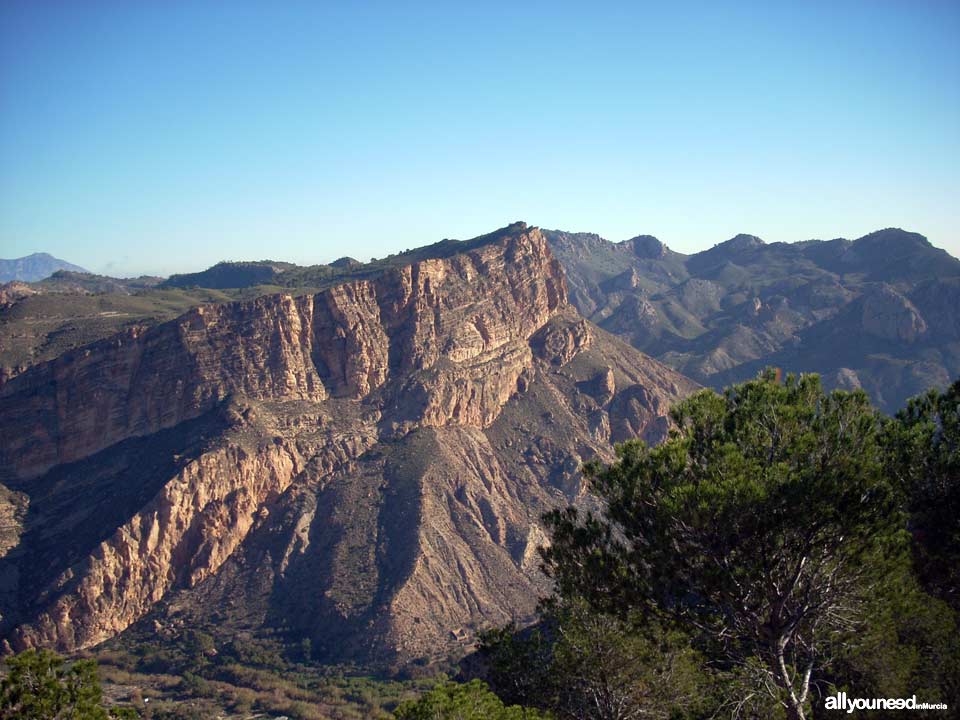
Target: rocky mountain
34, 267
879, 312
41, 320
364, 466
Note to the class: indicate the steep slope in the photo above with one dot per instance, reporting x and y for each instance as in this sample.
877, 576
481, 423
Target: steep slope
365, 466
874, 313
34, 267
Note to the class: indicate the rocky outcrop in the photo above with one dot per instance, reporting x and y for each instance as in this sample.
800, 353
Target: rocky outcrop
365, 466
626, 281
13, 515
647, 246
12, 291
638, 413
183, 535
889, 315
557, 343
469, 393
846, 379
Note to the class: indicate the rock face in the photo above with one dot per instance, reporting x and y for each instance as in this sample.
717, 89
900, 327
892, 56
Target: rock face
889, 315
139, 382
12, 291
346, 341
365, 466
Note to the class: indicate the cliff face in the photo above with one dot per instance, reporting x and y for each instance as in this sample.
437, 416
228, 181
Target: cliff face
183, 534
140, 382
365, 466
346, 341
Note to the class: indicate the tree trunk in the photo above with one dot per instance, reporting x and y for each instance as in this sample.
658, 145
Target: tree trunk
794, 704
795, 713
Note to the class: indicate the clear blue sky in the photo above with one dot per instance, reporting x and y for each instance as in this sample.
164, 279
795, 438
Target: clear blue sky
162, 136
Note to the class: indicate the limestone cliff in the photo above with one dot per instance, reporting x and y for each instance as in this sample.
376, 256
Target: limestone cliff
365, 466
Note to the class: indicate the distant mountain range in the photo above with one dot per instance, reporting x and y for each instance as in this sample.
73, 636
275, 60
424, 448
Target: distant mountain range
34, 267
881, 312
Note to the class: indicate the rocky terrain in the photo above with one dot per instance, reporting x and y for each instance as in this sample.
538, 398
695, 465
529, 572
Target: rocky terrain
364, 466
879, 312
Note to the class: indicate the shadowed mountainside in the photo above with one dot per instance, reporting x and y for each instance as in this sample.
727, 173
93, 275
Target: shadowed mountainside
879, 312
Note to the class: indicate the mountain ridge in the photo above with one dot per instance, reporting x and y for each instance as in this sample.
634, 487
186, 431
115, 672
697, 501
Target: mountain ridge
718, 315
722, 314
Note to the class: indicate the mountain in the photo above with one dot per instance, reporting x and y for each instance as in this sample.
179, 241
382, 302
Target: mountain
84, 283
231, 275
878, 312
364, 466
34, 267
41, 320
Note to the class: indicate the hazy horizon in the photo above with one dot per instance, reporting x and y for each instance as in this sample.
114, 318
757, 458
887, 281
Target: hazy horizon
389, 251
163, 137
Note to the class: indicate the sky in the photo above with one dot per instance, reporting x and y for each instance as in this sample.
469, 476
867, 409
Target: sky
160, 136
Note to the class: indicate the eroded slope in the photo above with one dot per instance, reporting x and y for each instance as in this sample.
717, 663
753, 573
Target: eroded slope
365, 466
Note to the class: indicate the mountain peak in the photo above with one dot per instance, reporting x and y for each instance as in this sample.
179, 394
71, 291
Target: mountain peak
36, 266
345, 262
894, 254
893, 238
647, 246
742, 242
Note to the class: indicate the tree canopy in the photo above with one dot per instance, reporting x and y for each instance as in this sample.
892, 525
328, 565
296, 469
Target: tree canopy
468, 701
585, 665
923, 445
761, 526
40, 685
